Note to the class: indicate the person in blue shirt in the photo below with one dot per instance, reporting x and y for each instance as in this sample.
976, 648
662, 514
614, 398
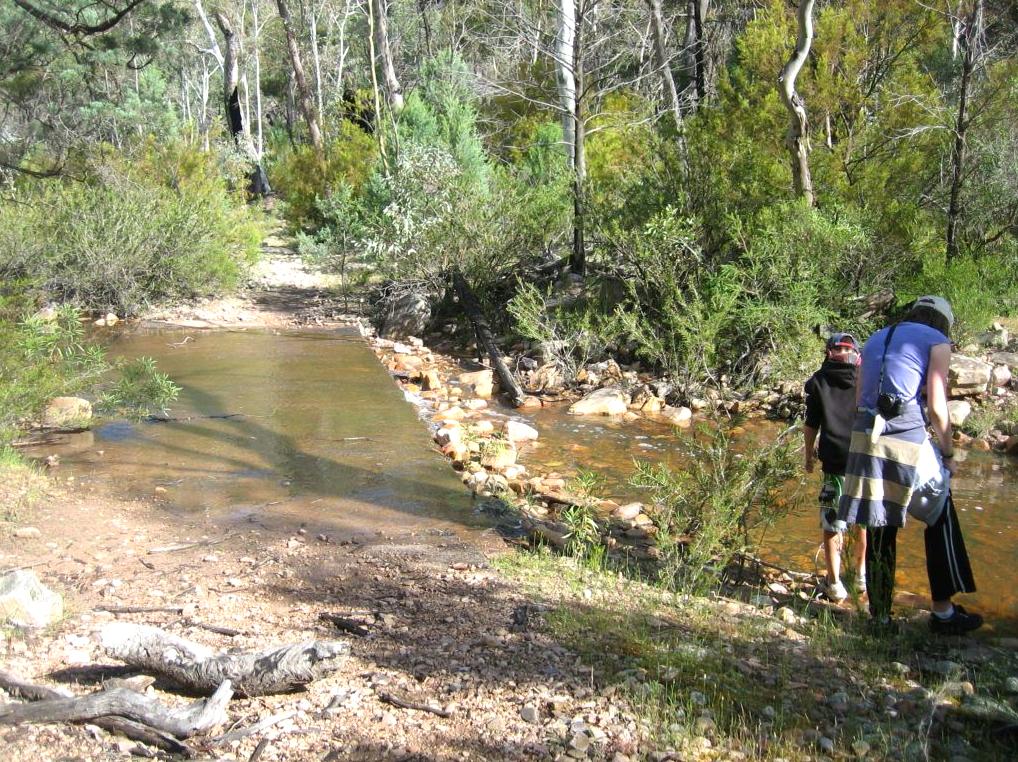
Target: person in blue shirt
892, 462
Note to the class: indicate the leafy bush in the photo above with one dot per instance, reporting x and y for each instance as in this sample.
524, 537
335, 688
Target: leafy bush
571, 336
43, 357
749, 314
708, 514
140, 228
302, 181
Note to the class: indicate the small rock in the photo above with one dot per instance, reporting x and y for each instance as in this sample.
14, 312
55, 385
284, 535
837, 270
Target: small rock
786, 615
1011, 685
530, 714
826, 745
28, 533
860, 748
580, 742
26, 602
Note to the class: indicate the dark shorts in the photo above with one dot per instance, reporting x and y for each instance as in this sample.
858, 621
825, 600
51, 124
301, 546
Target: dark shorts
830, 493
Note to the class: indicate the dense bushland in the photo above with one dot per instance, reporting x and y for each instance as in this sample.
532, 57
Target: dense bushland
152, 223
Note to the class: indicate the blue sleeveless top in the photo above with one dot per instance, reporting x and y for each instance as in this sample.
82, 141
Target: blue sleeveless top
908, 359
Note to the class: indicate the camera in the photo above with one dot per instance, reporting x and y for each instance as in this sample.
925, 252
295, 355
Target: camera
890, 405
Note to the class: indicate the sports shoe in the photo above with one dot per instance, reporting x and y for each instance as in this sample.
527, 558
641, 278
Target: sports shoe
836, 591
860, 584
959, 622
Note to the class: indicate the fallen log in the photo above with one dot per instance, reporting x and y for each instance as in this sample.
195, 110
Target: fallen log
119, 710
472, 308
252, 673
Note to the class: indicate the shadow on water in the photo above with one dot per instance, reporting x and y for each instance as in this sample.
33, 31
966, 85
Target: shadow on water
318, 434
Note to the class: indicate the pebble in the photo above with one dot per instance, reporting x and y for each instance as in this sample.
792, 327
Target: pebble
530, 714
27, 533
786, 615
826, 745
580, 742
697, 698
860, 748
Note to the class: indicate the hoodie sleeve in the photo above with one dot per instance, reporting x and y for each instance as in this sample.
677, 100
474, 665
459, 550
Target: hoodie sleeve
814, 412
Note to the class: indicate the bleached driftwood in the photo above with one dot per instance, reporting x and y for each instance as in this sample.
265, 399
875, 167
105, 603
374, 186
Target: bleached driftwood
252, 673
120, 710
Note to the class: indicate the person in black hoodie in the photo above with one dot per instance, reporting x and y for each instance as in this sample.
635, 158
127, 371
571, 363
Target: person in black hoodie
830, 412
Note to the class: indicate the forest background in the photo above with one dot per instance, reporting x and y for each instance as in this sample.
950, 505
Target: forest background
705, 187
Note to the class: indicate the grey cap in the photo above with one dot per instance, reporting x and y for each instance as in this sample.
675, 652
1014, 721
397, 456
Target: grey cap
939, 304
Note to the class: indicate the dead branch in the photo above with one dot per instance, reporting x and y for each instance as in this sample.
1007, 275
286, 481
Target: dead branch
344, 623
390, 698
258, 727
253, 673
141, 609
189, 545
120, 710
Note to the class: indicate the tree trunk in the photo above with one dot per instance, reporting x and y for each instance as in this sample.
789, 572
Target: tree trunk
252, 673
304, 98
259, 143
797, 138
578, 260
317, 60
966, 41
485, 340
375, 90
664, 65
564, 52
422, 9
258, 184
699, 8
393, 91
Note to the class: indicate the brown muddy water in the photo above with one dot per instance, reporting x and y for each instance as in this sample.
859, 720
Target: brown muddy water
985, 491
320, 436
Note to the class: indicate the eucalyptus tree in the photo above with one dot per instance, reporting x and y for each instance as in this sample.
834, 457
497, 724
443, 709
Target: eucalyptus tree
597, 49
80, 70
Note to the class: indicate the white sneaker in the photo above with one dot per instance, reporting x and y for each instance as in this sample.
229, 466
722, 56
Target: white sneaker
836, 591
860, 583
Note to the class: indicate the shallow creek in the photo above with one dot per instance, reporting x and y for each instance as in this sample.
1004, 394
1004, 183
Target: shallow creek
316, 431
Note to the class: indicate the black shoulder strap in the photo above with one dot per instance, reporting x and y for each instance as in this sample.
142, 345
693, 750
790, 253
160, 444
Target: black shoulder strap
883, 359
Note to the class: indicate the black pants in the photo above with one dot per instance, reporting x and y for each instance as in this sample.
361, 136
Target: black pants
947, 562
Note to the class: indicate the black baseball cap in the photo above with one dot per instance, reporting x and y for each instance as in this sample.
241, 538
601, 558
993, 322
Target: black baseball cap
842, 341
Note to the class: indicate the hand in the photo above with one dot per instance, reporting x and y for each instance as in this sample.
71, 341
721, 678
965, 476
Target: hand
950, 465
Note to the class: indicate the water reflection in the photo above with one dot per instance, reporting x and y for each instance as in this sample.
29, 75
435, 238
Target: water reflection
985, 491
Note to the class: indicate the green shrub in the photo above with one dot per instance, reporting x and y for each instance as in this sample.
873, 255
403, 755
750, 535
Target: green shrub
159, 223
43, 357
709, 514
301, 180
571, 335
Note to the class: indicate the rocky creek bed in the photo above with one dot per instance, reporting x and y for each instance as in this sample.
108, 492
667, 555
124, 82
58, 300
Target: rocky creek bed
460, 647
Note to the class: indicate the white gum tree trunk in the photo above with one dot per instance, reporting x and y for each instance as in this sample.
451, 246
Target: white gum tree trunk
565, 43
797, 138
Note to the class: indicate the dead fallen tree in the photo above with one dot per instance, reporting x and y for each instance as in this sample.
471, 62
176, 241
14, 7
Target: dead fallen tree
198, 668
472, 308
119, 710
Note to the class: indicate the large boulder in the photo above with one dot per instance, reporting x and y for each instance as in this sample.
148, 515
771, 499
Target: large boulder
67, 413
406, 316
517, 431
968, 376
26, 602
608, 401
959, 411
